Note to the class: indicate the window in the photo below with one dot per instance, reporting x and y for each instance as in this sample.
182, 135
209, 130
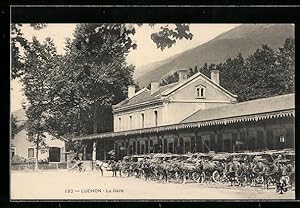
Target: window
130, 122
165, 146
171, 147
143, 120
142, 149
138, 146
260, 140
120, 122
30, 152
155, 118
187, 145
200, 92
146, 146
133, 147
151, 146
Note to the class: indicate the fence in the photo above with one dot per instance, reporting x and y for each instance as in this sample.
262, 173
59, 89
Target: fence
47, 166
30, 166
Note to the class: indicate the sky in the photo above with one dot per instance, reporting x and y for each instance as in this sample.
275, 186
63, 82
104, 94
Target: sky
146, 51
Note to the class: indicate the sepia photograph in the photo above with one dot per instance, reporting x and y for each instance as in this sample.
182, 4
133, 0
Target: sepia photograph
152, 111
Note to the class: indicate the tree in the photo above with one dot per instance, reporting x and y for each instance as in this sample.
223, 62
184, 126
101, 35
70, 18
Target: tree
39, 62
264, 73
13, 126
260, 77
93, 77
286, 66
18, 43
172, 78
230, 73
167, 36
93, 67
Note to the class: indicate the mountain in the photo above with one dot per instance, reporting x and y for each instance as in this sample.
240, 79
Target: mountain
149, 67
244, 39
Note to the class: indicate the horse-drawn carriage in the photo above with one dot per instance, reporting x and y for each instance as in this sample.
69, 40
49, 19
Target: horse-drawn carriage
270, 168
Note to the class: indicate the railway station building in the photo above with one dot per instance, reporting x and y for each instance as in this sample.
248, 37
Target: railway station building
195, 114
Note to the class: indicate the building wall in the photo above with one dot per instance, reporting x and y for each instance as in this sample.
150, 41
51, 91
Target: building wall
136, 116
213, 93
253, 136
21, 145
182, 103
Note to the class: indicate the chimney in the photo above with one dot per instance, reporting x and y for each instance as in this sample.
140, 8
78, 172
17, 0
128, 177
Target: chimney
131, 91
215, 76
154, 87
182, 74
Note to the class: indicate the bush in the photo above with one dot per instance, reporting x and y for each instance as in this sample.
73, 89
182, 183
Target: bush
18, 159
44, 161
31, 160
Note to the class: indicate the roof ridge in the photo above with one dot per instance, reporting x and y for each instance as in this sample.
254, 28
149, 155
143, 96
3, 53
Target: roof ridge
195, 76
265, 98
237, 104
128, 99
138, 92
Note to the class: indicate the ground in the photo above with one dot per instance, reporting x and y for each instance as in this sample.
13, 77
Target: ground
61, 184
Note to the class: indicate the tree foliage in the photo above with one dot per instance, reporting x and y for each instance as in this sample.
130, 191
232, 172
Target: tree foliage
167, 36
40, 60
73, 94
264, 73
93, 77
18, 43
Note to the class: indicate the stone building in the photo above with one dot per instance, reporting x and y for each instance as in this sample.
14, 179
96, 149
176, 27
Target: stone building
196, 114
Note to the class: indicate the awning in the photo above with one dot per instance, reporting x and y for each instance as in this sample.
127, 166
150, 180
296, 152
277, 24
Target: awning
180, 126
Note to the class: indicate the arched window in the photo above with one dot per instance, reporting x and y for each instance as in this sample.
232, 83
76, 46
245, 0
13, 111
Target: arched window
200, 91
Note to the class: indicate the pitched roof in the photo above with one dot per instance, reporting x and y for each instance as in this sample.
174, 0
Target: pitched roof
264, 105
198, 74
144, 95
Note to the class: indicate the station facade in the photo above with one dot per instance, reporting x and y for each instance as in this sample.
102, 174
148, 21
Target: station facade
195, 114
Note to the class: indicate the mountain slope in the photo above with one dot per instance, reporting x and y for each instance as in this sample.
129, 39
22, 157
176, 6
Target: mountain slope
149, 67
243, 39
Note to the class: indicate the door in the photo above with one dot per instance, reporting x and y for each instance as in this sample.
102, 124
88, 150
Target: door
206, 145
54, 154
227, 145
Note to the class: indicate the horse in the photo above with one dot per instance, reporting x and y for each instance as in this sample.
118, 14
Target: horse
208, 168
115, 167
100, 164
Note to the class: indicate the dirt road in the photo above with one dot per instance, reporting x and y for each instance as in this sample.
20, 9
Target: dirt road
91, 185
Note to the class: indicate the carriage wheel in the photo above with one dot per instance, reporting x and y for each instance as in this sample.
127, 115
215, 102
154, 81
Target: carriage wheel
201, 179
195, 176
178, 176
259, 179
216, 177
270, 182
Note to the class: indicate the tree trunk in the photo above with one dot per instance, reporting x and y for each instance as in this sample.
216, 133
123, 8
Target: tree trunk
95, 119
36, 167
